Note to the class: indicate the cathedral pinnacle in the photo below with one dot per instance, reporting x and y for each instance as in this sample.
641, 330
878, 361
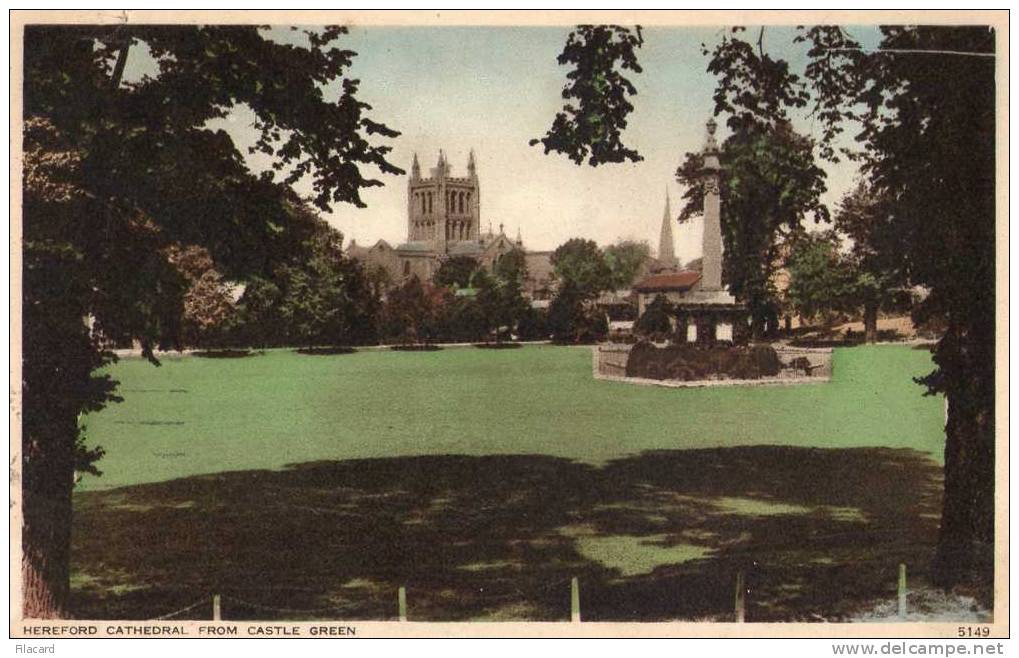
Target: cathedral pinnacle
442, 168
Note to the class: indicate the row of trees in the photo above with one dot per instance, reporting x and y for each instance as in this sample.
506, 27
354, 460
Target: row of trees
849, 267
495, 305
324, 298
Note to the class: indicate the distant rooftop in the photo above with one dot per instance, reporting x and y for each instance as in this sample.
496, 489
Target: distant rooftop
671, 282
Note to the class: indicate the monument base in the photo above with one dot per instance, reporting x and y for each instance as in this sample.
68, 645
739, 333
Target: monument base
707, 316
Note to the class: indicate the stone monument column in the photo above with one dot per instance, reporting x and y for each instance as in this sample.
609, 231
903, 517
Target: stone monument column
711, 257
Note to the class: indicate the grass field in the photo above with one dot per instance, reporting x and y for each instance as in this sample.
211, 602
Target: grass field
302, 486
204, 415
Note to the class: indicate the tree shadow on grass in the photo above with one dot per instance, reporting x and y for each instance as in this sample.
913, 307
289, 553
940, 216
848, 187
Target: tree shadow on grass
660, 535
325, 351
226, 354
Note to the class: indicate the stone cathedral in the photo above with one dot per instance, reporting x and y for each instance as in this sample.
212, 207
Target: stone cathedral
444, 221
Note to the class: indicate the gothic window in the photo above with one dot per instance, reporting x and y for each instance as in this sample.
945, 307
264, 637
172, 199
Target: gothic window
422, 196
461, 203
406, 268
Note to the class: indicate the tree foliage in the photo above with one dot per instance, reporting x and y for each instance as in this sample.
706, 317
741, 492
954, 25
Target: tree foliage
866, 219
413, 312
572, 318
500, 302
657, 318
117, 172
581, 264
456, 271
326, 298
821, 279
626, 260
597, 95
209, 308
511, 266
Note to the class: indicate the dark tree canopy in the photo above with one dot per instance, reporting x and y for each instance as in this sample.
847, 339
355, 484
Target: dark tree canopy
117, 175
931, 148
511, 266
500, 302
456, 271
413, 311
572, 318
656, 320
591, 122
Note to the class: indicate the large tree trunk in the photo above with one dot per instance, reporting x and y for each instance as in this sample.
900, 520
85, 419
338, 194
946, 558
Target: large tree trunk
966, 541
59, 357
48, 472
870, 321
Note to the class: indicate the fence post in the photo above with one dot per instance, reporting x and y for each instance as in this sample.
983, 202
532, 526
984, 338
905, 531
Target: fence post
574, 600
741, 603
902, 591
402, 598
216, 611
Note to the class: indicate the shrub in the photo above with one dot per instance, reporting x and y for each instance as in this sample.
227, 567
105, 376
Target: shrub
685, 362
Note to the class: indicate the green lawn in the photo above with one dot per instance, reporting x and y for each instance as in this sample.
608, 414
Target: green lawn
313, 487
201, 415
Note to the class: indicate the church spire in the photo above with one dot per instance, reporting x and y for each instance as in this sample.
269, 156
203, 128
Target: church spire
666, 245
472, 169
415, 168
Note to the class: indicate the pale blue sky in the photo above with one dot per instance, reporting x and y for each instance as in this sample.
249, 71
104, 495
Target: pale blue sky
494, 88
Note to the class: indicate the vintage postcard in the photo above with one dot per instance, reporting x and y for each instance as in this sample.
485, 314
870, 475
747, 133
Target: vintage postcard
512, 324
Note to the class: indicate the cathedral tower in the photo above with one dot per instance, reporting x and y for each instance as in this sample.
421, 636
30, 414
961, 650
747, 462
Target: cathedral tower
443, 209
